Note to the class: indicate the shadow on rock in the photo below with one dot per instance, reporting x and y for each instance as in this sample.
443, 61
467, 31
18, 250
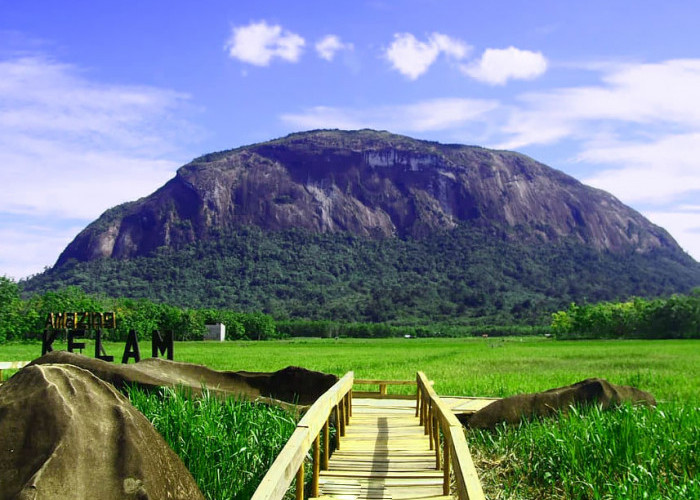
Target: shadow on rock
287, 387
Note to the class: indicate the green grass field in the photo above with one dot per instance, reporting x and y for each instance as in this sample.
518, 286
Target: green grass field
629, 453
669, 369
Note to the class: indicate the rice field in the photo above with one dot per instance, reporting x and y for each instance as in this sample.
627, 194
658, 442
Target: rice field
627, 453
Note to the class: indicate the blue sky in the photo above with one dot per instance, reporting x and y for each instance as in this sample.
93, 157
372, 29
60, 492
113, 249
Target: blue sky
101, 101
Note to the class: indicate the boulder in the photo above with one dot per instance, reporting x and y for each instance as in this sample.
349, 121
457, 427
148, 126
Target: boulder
66, 434
543, 404
292, 385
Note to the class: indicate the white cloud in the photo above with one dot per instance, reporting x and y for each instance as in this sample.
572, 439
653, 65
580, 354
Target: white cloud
412, 58
649, 95
497, 66
329, 45
684, 225
259, 43
422, 116
31, 244
70, 148
655, 171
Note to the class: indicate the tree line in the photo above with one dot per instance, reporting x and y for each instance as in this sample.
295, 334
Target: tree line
675, 317
26, 318
22, 319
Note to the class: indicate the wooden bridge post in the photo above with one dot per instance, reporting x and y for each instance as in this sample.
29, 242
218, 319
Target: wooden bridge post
431, 416
436, 435
342, 417
337, 427
300, 483
446, 469
316, 466
346, 413
418, 398
426, 416
326, 445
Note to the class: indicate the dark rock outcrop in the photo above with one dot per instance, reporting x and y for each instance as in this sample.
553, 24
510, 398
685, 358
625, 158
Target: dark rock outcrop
369, 183
544, 404
65, 434
292, 384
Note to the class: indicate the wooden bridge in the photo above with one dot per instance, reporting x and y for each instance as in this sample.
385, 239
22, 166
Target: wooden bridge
385, 447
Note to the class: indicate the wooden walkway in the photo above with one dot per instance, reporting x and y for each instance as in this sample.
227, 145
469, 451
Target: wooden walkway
387, 447
385, 454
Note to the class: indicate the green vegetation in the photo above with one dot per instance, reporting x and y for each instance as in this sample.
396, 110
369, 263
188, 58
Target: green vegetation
460, 367
22, 319
676, 317
472, 275
624, 453
631, 452
227, 445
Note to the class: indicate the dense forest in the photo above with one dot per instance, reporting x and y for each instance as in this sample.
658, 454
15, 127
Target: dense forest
675, 317
471, 275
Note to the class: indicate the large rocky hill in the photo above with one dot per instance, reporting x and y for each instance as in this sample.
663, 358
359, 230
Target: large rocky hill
382, 200
371, 184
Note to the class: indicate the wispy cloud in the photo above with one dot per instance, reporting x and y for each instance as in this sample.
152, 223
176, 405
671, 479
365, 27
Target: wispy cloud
71, 147
497, 66
412, 58
683, 224
422, 116
259, 43
329, 45
661, 94
640, 128
654, 171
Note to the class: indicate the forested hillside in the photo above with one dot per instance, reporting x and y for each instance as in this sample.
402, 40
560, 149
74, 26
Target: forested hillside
471, 274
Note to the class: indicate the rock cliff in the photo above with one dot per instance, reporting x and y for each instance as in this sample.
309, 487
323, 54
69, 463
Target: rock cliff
372, 184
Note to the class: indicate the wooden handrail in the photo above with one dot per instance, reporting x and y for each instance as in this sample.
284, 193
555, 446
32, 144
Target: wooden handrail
382, 385
435, 415
290, 462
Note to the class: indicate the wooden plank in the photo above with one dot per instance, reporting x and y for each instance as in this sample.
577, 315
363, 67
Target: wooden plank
364, 381
411, 475
376, 395
466, 405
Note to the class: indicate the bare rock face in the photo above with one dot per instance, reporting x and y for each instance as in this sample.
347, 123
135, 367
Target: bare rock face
369, 183
292, 385
588, 392
65, 434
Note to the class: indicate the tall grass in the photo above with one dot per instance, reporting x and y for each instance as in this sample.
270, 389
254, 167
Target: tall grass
227, 445
625, 453
629, 452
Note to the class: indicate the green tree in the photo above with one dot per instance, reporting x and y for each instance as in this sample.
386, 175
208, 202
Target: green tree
10, 304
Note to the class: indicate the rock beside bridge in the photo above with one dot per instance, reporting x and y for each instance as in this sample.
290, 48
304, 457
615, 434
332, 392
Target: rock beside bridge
591, 391
292, 385
64, 433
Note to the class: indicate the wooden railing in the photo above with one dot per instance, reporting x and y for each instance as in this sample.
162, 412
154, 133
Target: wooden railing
382, 384
290, 462
435, 416
10, 365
